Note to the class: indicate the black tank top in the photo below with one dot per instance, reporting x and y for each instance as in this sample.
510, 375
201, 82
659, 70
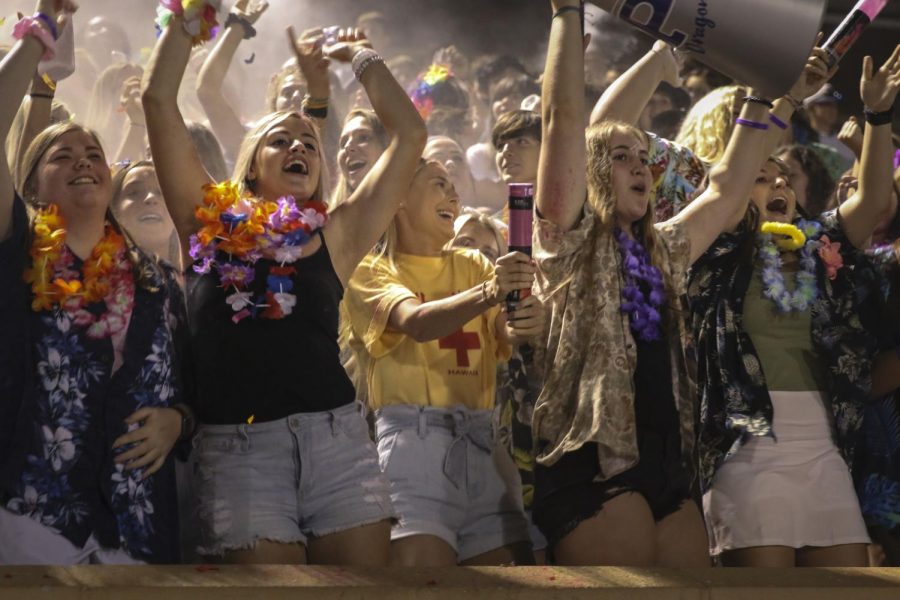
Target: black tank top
268, 369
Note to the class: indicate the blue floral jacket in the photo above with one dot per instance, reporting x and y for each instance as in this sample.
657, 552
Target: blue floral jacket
734, 398
62, 407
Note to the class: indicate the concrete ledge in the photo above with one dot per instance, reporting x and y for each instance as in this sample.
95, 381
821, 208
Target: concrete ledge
189, 582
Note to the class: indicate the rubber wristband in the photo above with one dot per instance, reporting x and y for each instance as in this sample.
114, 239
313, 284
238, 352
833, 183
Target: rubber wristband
749, 123
777, 122
758, 100
46, 19
566, 9
879, 118
249, 29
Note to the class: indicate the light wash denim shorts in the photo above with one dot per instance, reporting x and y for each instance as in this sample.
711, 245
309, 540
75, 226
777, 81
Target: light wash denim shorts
304, 476
449, 479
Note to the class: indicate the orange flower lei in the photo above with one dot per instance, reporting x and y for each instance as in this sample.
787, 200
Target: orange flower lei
48, 254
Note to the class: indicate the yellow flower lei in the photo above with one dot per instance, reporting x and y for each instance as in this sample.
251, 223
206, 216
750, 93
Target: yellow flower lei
795, 239
46, 253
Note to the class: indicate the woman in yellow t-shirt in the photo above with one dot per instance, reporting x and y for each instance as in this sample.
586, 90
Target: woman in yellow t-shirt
428, 329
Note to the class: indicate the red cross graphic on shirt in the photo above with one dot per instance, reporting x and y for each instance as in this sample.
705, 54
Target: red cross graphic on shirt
462, 342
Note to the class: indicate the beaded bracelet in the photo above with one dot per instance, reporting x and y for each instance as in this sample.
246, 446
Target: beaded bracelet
484, 295
249, 29
364, 59
36, 27
758, 100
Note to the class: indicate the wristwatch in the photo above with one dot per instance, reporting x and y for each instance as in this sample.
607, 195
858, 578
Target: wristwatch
187, 421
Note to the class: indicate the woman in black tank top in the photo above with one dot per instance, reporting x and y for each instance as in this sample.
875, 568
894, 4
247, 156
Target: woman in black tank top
266, 278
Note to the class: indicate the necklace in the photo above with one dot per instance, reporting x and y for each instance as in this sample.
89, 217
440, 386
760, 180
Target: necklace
239, 230
806, 289
105, 276
643, 312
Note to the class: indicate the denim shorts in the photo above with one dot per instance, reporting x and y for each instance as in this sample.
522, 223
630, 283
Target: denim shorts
449, 479
304, 476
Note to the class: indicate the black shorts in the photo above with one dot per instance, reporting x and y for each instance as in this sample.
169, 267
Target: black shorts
566, 493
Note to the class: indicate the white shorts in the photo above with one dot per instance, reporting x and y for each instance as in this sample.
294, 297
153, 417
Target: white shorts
24, 541
794, 490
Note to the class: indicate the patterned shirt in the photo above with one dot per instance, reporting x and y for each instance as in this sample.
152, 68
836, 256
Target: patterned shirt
677, 173
63, 404
734, 398
588, 393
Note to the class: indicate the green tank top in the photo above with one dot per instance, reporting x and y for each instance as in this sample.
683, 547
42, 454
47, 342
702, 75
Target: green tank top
783, 341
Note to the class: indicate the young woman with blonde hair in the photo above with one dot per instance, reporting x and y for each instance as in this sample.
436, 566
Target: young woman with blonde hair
285, 469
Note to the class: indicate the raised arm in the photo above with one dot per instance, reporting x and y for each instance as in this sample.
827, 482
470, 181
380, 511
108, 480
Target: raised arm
223, 120
357, 224
16, 73
35, 110
723, 204
178, 167
626, 98
132, 145
561, 181
862, 212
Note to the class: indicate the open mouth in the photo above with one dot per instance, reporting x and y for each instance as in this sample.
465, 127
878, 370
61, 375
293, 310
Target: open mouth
640, 188
447, 215
777, 206
296, 166
83, 180
150, 218
356, 166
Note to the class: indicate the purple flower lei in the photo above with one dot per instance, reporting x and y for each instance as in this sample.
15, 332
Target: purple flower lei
643, 313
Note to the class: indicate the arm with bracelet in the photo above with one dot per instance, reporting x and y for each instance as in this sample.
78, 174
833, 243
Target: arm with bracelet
861, 213
223, 119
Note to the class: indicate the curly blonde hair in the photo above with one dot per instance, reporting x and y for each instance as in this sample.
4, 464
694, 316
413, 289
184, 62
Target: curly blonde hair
708, 125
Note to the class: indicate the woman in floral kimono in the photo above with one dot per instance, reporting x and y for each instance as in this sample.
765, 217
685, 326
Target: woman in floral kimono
785, 313
90, 394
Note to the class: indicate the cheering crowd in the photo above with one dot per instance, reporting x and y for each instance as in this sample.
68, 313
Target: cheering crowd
299, 334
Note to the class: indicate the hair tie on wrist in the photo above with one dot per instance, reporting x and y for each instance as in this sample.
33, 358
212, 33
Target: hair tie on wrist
41, 95
879, 118
752, 124
36, 28
249, 29
797, 104
758, 100
777, 122
564, 10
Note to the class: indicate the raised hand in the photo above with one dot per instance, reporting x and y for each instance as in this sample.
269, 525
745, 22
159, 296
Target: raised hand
878, 89
815, 74
349, 42
851, 135
672, 62
130, 100
251, 11
308, 49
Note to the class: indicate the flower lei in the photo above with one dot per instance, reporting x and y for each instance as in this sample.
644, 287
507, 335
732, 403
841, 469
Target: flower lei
247, 229
199, 17
794, 238
106, 276
773, 279
643, 313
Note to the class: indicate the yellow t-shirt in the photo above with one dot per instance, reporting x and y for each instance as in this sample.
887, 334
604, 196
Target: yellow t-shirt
459, 369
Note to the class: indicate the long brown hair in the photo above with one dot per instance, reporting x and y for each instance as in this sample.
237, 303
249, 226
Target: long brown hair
147, 272
601, 196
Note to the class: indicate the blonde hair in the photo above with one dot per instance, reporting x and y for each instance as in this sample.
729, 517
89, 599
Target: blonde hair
386, 248
495, 226
342, 190
246, 157
103, 114
708, 125
147, 272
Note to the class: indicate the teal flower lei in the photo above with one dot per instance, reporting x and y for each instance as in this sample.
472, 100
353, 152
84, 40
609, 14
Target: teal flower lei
806, 289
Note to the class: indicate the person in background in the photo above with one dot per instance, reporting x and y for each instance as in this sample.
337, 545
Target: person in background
475, 194
823, 109
809, 179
